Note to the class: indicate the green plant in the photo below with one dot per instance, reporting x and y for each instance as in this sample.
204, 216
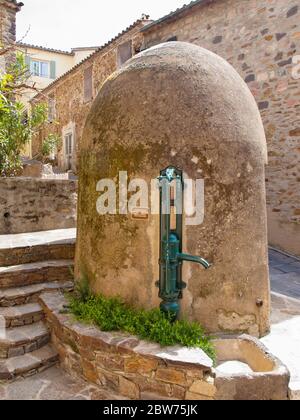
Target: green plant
82, 291
112, 314
17, 124
50, 144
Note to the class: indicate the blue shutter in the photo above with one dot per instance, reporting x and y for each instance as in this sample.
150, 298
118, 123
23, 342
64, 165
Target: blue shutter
52, 70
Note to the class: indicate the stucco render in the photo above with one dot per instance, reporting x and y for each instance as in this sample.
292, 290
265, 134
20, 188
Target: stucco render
175, 118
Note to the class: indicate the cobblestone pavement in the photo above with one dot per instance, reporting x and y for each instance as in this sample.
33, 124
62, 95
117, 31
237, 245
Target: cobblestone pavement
285, 274
284, 339
53, 384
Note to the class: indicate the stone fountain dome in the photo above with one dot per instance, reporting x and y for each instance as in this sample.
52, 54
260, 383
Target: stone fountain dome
179, 104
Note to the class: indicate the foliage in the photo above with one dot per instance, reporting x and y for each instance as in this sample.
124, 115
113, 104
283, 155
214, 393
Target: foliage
50, 144
111, 314
17, 125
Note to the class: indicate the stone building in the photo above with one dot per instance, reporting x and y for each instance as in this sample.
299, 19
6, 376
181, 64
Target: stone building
47, 64
261, 39
72, 94
8, 11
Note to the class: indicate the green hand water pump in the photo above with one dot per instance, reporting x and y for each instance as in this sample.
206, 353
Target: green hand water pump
170, 282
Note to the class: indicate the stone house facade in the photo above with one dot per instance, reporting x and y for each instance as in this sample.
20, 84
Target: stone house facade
261, 39
8, 10
72, 94
47, 64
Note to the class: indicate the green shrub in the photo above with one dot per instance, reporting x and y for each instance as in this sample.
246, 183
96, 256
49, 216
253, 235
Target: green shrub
111, 314
50, 144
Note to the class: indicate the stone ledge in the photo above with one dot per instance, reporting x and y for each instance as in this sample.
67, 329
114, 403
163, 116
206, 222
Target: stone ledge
124, 363
133, 368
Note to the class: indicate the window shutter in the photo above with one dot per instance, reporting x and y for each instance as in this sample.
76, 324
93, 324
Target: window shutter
124, 53
52, 70
88, 84
27, 61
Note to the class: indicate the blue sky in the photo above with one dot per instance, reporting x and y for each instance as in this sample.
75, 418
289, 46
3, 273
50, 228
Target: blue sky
64, 24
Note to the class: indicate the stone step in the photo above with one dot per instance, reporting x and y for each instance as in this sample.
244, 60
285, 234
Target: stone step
40, 272
28, 364
18, 316
21, 340
29, 248
30, 294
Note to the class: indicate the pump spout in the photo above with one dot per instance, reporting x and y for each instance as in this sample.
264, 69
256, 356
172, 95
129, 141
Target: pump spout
191, 258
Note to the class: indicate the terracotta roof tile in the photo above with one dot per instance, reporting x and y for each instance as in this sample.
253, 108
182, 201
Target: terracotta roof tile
39, 47
137, 22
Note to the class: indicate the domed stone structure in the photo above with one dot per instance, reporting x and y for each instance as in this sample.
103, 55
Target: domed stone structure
178, 104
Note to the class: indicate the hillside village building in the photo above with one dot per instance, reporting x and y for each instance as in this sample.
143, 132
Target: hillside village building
48, 64
8, 10
247, 34
264, 53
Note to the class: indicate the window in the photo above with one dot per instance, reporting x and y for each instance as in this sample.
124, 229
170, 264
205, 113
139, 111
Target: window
124, 53
88, 84
51, 109
40, 68
68, 149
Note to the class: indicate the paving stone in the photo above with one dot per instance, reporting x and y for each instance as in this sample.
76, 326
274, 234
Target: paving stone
27, 274
18, 339
288, 268
54, 384
22, 295
287, 284
15, 352
37, 246
22, 315
28, 364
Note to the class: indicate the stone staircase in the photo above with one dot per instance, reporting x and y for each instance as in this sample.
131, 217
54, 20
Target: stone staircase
30, 264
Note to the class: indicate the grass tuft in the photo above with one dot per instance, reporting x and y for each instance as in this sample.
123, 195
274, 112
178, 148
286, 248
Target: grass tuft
112, 314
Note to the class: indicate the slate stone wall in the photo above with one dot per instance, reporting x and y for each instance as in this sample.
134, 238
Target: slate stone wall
32, 205
261, 39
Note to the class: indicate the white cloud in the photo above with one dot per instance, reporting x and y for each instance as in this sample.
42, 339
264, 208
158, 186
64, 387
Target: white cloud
71, 23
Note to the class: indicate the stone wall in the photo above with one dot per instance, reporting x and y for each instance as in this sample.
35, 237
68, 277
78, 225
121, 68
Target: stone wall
132, 368
8, 10
32, 205
142, 370
68, 92
261, 39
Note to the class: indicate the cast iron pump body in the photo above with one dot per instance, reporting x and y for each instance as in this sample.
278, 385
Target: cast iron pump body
170, 283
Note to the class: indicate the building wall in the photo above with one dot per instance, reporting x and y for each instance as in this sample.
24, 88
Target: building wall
261, 39
68, 93
64, 62
8, 10
82, 53
33, 205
